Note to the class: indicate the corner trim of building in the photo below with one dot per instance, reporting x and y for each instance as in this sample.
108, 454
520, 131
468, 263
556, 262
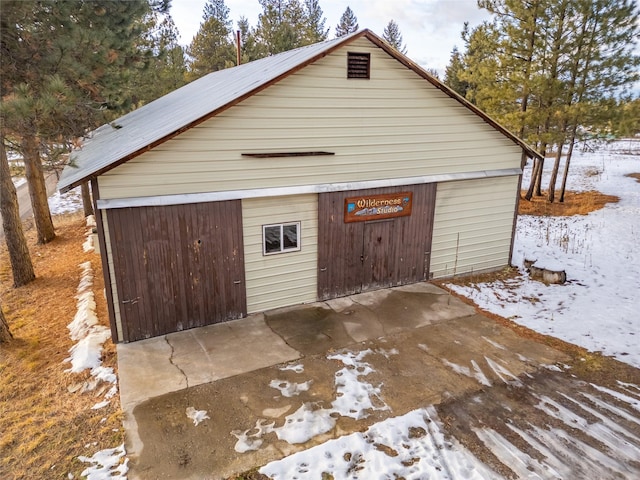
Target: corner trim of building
106, 273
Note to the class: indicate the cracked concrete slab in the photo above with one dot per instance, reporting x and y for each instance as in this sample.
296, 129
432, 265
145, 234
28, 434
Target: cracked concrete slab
177, 361
160, 365
412, 368
145, 371
181, 361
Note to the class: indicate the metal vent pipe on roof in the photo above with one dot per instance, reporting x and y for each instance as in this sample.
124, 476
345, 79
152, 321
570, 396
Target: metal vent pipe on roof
238, 56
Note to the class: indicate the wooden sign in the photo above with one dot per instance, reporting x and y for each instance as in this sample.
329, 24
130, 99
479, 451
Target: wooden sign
377, 207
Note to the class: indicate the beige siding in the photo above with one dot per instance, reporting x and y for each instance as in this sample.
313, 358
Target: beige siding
287, 278
395, 125
480, 214
112, 276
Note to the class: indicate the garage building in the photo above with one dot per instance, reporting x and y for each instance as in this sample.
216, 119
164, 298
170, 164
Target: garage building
321, 172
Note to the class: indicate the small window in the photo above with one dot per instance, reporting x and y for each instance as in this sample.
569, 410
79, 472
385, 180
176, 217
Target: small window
358, 65
281, 238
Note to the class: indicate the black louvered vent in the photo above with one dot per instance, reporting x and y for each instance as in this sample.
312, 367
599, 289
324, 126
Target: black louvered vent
358, 65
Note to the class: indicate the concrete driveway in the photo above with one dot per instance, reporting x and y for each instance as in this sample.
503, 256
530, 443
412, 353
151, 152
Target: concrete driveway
276, 383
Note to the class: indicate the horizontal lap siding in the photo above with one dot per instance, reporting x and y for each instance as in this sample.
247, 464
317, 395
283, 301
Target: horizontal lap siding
394, 125
481, 213
287, 278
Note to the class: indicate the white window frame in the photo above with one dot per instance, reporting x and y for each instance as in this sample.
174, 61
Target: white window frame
282, 248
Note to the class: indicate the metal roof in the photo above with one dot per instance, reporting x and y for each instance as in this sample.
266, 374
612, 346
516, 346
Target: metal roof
140, 130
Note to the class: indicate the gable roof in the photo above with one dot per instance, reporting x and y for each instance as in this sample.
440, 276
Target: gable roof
156, 122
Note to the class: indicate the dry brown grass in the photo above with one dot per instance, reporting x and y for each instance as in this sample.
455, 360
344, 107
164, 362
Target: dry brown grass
575, 203
43, 427
634, 175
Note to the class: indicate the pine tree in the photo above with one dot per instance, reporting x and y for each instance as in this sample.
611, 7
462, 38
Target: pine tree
481, 69
453, 71
19, 257
51, 89
604, 67
551, 85
315, 30
544, 67
627, 125
348, 23
281, 26
87, 203
393, 37
170, 64
250, 49
212, 48
166, 70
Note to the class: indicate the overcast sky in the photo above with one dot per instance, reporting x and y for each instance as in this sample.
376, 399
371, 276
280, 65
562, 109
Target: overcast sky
430, 28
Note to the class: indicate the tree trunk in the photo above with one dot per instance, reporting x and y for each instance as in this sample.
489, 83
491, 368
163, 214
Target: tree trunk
37, 189
551, 194
538, 179
5, 333
19, 257
87, 204
536, 175
532, 182
566, 165
550, 93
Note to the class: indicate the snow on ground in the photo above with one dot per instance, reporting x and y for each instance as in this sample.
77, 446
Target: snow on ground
197, 415
17, 181
65, 203
355, 398
107, 464
599, 306
86, 354
411, 446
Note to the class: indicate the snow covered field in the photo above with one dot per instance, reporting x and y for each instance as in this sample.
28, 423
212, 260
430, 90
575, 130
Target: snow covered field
599, 306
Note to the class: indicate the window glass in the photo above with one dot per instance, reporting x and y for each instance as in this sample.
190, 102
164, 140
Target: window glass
280, 238
290, 236
272, 241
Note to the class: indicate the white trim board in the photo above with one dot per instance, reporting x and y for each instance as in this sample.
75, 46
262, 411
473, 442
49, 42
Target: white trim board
186, 198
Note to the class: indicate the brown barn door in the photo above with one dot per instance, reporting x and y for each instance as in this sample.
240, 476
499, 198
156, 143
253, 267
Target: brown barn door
177, 267
358, 256
378, 267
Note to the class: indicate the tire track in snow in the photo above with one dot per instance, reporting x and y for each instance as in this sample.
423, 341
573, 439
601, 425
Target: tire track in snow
550, 426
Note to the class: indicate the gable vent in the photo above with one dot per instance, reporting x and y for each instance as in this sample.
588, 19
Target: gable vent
358, 65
